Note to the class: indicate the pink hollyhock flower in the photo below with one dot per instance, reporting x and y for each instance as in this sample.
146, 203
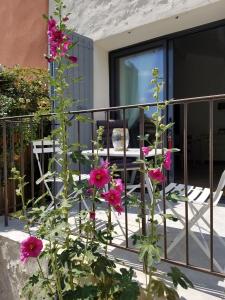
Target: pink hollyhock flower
92, 215
65, 46
156, 175
146, 150
99, 177
104, 163
119, 186
51, 24
57, 36
49, 59
65, 19
113, 196
73, 59
30, 247
119, 209
167, 160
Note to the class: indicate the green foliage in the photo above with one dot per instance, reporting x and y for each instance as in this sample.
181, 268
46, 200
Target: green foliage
179, 278
78, 267
175, 197
23, 91
149, 252
148, 245
158, 288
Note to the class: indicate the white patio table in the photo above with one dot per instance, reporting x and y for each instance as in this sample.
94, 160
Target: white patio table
130, 152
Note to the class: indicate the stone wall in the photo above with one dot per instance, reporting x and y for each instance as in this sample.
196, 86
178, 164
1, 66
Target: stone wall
13, 272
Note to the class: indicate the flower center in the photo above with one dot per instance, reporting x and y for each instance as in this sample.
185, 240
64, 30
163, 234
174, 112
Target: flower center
31, 246
98, 176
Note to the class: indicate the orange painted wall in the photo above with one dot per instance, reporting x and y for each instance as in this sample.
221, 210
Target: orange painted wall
23, 33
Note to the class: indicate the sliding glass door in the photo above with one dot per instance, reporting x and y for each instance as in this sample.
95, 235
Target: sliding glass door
133, 74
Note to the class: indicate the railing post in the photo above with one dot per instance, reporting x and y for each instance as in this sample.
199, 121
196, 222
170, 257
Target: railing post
125, 174
6, 203
186, 181
142, 174
211, 180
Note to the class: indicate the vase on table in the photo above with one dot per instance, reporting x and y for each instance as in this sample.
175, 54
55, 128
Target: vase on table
118, 138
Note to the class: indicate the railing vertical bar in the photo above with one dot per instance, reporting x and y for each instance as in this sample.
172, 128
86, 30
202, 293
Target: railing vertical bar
32, 161
12, 149
108, 159
186, 180
22, 151
54, 163
92, 150
142, 175
6, 203
79, 169
211, 125
125, 174
42, 154
164, 204
21, 147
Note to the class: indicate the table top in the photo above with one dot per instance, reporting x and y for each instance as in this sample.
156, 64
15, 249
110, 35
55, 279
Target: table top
130, 152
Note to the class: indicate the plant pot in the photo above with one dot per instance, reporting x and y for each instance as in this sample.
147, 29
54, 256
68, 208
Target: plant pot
118, 138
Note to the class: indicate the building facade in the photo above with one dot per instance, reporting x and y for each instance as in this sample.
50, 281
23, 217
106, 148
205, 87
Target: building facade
23, 33
184, 39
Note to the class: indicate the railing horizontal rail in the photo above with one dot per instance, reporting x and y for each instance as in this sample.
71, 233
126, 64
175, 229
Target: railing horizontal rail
113, 108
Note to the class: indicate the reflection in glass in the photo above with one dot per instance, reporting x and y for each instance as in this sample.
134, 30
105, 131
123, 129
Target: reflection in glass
135, 74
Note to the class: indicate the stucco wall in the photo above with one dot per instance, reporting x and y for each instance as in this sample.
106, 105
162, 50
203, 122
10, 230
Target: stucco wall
23, 32
13, 273
99, 19
114, 24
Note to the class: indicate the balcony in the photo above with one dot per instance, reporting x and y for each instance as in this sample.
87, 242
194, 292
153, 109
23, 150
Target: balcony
195, 241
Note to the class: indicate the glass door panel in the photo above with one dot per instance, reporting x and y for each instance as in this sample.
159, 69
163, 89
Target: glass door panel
135, 74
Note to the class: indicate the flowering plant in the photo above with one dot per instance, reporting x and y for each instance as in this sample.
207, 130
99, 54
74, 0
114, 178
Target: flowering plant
78, 266
149, 242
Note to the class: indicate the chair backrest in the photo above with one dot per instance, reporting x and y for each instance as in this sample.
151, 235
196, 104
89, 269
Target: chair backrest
41, 147
112, 124
45, 146
220, 187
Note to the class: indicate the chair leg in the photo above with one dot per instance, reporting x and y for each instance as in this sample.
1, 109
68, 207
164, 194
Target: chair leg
133, 175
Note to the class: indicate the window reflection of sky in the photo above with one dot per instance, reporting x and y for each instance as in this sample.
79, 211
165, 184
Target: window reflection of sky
138, 68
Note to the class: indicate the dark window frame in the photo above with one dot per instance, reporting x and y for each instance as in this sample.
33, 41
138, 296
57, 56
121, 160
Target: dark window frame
162, 41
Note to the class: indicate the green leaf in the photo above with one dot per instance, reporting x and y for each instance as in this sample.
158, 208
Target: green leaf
128, 288
175, 197
149, 253
179, 278
170, 217
158, 289
85, 292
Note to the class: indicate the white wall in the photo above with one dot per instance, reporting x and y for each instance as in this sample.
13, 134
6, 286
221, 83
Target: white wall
113, 24
101, 78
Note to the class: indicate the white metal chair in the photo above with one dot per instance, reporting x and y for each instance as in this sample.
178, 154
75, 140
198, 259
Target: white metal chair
197, 197
52, 147
41, 147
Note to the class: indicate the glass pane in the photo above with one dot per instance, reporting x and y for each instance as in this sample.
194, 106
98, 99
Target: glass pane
135, 74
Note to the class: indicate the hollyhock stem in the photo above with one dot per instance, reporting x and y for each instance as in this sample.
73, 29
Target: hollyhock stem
56, 274
44, 277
